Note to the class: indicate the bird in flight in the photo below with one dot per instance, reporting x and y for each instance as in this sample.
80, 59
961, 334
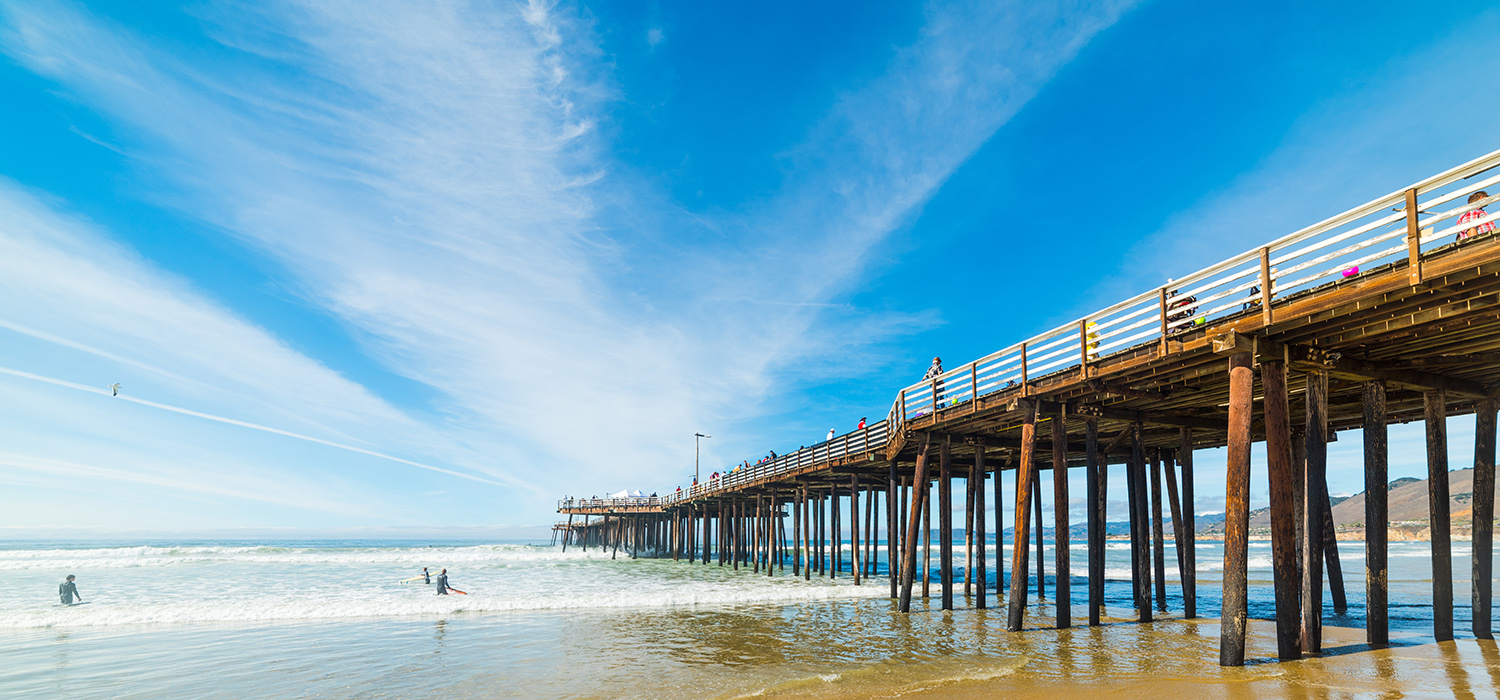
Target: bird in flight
115, 387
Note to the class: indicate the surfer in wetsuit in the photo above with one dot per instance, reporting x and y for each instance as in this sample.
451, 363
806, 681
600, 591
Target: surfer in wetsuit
68, 591
443, 582
426, 577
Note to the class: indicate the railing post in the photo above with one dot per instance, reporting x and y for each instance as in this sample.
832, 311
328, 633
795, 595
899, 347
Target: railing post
1413, 239
1083, 348
902, 399
1265, 286
974, 386
1161, 304
1025, 377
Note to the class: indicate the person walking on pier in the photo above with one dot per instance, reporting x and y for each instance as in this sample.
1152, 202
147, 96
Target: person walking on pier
861, 423
831, 433
1475, 213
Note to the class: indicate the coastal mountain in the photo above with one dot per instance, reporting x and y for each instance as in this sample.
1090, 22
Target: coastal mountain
1407, 509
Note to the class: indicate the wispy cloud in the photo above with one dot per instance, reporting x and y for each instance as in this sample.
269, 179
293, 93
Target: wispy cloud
434, 177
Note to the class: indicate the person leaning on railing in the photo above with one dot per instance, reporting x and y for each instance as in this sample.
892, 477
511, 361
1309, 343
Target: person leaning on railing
1475, 213
933, 372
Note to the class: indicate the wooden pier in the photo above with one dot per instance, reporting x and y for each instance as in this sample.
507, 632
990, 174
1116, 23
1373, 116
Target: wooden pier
1385, 313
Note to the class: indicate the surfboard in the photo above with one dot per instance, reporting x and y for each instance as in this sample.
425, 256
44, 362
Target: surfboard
455, 590
74, 605
409, 580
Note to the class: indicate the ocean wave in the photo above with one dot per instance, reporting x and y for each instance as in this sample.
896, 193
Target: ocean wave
139, 557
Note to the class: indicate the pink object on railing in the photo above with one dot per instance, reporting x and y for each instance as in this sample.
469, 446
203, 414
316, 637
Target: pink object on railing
1352, 271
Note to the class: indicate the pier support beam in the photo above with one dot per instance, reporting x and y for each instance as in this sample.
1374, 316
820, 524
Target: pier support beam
1280, 472
1179, 528
1436, 414
1315, 490
1484, 517
1060, 533
909, 548
979, 553
1190, 522
1025, 478
856, 562
945, 522
999, 540
1140, 533
1236, 513
1095, 518
1158, 536
891, 531
1377, 476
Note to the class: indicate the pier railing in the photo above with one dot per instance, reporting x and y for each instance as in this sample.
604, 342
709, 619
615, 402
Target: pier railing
872, 436
1396, 228
635, 502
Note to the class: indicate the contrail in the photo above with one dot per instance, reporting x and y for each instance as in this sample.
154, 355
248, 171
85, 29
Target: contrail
244, 424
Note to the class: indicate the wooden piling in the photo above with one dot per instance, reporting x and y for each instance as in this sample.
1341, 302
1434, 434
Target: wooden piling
1280, 471
945, 522
856, 562
1315, 491
1095, 518
969, 533
1236, 512
1331, 563
1377, 476
1025, 477
1483, 520
1041, 566
1179, 533
1158, 536
1190, 524
909, 546
979, 544
926, 539
891, 530
1436, 414
1060, 535
1141, 533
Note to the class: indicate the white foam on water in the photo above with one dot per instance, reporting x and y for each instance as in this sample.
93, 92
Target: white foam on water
170, 585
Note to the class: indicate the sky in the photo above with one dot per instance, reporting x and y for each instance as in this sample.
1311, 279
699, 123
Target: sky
422, 269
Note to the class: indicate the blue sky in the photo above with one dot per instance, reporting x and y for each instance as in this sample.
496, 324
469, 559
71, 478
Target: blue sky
439, 265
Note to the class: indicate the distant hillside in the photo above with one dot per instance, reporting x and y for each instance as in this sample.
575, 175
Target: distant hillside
1407, 499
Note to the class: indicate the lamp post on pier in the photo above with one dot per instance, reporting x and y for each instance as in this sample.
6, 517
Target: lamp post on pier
697, 438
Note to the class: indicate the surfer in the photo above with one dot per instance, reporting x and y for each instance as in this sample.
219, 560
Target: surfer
68, 591
426, 577
443, 582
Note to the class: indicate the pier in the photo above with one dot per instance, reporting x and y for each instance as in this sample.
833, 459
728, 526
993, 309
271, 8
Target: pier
1386, 313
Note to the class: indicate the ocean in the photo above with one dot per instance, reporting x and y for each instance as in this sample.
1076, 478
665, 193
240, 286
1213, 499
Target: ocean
330, 619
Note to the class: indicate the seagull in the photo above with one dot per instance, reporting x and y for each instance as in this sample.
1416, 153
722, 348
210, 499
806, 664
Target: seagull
115, 387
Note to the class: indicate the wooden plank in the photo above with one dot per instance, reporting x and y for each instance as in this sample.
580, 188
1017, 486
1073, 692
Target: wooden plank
1234, 610
1190, 522
1095, 518
1315, 491
1436, 415
1060, 535
1025, 476
909, 547
1483, 519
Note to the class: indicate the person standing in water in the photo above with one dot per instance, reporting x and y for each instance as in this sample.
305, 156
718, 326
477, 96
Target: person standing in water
426, 577
68, 591
443, 582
